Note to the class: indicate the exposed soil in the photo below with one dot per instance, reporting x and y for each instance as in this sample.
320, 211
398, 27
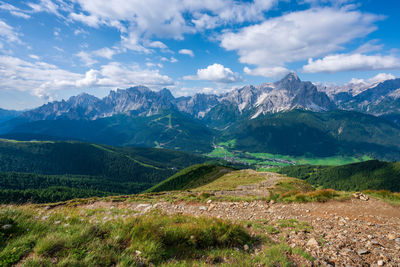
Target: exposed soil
348, 233
354, 232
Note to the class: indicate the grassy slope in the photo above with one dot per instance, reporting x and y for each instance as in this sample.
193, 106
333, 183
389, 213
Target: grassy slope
357, 176
69, 166
232, 180
82, 236
191, 177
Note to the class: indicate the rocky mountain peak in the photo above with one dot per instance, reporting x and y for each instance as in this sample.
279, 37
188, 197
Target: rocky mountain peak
291, 77
141, 89
82, 99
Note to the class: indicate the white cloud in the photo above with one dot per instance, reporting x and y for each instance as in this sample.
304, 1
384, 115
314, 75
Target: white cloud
171, 59
86, 58
297, 36
59, 49
267, 71
170, 18
8, 33
44, 80
133, 42
154, 65
35, 57
370, 46
80, 31
48, 6
381, 77
186, 52
14, 10
215, 73
320, 2
140, 21
91, 21
115, 74
351, 62
357, 81
20, 75
105, 52
158, 44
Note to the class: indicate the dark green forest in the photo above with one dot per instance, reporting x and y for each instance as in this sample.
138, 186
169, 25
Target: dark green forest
53, 171
300, 132
371, 174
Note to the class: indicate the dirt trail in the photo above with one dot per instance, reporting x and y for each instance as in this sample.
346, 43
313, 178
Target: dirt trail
349, 233
354, 232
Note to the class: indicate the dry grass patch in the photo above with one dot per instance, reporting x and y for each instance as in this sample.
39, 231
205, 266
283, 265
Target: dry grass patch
234, 179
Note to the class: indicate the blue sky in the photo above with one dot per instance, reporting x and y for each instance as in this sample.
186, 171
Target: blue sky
53, 49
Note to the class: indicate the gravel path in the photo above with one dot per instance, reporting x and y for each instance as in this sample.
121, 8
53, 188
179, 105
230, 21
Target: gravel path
348, 233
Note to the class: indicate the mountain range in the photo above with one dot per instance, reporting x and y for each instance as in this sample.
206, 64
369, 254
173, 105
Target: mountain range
288, 93
289, 116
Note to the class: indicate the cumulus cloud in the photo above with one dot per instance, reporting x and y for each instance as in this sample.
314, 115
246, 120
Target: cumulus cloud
43, 80
186, 52
140, 21
105, 52
170, 18
215, 73
351, 62
297, 36
380, 77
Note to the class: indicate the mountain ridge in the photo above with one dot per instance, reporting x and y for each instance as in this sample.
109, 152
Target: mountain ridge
288, 93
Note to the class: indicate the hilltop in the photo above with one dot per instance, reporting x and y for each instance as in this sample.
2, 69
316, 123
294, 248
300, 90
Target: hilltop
251, 219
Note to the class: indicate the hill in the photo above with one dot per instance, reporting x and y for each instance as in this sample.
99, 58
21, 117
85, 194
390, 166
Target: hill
191, 177
69, 165
371, 174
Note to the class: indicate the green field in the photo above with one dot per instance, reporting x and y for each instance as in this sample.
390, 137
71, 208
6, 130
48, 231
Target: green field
272, 162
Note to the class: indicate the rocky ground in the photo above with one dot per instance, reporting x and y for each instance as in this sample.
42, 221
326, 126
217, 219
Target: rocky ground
354, 232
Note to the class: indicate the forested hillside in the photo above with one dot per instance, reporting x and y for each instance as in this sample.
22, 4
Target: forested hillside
300, 132
28, 170
371, 174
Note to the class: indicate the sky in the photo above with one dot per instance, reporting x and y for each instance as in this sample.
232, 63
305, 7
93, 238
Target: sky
53, 49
